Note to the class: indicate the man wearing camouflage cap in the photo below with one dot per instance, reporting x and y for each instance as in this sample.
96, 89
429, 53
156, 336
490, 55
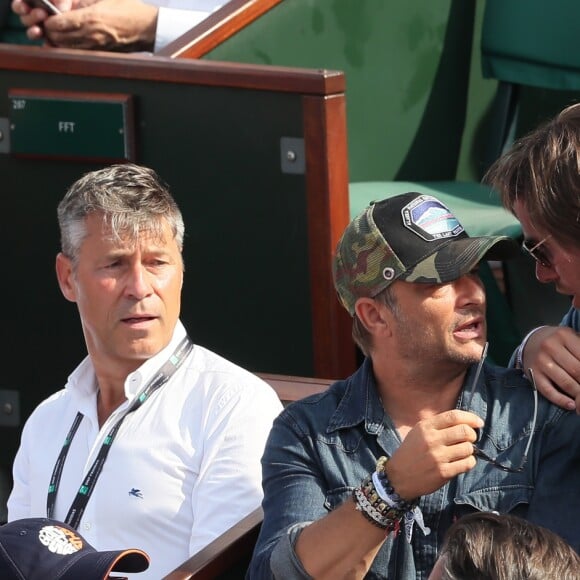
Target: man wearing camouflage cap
364, 479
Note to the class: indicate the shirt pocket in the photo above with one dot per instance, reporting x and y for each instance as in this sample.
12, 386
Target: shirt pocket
504, 498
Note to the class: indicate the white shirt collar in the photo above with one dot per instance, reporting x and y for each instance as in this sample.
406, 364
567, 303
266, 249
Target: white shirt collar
82, 382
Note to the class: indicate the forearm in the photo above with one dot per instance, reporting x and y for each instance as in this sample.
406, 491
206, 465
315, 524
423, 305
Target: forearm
530, 346
343, 544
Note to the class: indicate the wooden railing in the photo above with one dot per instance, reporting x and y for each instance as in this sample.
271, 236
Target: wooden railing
216, 28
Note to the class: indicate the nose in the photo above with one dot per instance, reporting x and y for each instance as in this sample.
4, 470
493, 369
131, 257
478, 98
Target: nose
545, 274
138, 285
470, 290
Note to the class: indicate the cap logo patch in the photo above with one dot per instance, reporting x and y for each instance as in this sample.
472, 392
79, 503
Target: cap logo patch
60, 540
430, 219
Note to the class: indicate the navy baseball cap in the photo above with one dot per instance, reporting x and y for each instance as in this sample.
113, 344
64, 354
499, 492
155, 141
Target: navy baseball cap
43, 549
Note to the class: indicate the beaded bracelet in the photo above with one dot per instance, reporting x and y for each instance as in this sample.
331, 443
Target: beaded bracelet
369, 503
381, 505
386, 490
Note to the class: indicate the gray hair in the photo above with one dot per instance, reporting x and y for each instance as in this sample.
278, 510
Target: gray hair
131, 199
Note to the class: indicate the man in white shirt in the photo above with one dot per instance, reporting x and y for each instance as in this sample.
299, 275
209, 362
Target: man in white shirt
154, 442
114, 25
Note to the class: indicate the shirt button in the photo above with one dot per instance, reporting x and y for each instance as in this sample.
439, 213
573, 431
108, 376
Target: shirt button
87, 526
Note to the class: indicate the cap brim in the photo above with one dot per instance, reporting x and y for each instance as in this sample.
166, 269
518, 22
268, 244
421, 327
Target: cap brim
98, 565
459, 257
130, 561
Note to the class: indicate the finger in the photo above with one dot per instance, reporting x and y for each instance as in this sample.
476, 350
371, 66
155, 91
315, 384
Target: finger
20, 8
457, 434
440, 473
559, 351
66, 30
546, 387
34, 17
455, 417
445, 454
569, 338
458, 452
563, 348
455, 468
63, 5
34, 33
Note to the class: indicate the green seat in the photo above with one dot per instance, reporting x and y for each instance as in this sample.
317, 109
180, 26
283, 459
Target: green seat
417, 106
531, 42
475, 205
524, 43
531, 47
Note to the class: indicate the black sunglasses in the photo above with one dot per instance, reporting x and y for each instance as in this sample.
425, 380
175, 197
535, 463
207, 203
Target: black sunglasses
535, 250
479, 453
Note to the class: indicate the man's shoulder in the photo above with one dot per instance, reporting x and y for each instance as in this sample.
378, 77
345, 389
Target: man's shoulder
211, 364
510, 386
572, 319
219, 374
317, 410
56, 400
500, 376
54, 407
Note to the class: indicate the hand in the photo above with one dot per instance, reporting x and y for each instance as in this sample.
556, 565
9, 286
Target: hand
553, 353
433, 452
119, 25
33, 18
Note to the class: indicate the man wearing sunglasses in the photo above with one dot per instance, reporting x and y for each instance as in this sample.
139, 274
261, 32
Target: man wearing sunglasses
539, 181
366, 478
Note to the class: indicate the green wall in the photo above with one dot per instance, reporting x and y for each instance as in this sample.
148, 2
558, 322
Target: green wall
407, 71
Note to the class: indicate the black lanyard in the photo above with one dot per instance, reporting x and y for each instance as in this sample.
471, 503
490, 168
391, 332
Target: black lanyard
75, 513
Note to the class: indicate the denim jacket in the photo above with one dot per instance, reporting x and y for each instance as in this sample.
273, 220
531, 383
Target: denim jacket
572, 319
321, 448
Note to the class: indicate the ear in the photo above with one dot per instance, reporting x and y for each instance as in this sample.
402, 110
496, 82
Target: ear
65, 277
373, 316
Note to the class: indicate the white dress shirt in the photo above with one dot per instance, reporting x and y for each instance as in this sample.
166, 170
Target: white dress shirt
178, 16
183, 468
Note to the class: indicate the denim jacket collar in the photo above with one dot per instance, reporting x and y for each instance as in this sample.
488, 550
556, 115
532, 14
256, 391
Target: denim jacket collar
361, 401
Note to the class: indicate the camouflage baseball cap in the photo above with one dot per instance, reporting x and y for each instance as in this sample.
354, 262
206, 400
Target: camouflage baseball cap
412, 237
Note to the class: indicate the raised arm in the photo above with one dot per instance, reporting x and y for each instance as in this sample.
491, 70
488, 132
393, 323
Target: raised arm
344, 540
553, 352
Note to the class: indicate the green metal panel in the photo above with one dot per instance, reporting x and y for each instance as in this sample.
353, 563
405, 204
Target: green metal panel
246, 293
406, 66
